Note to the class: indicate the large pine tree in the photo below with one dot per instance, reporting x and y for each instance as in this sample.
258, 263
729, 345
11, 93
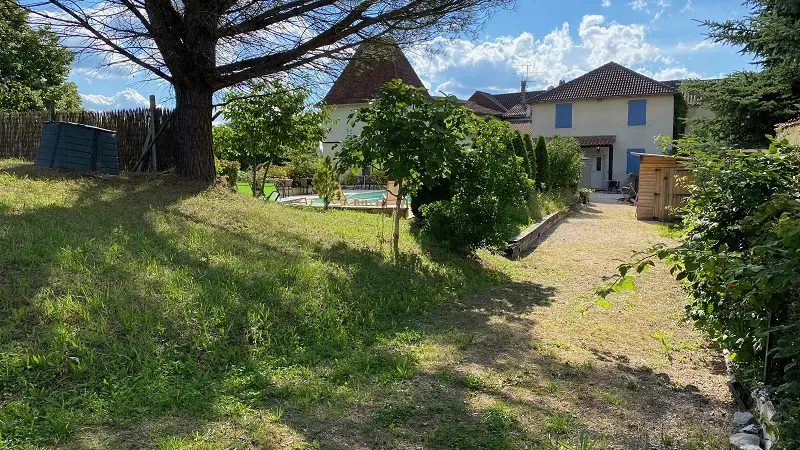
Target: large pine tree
748, 105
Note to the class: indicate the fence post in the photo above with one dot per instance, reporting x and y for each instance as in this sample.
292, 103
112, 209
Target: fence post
153, 128
51, 109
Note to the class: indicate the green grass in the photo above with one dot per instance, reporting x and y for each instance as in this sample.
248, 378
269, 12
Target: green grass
127, 301
148, 312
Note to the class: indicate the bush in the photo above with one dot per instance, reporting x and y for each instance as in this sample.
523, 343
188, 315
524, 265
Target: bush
565, 164
275, 171
302, 165
350, 179
428, 194
379, 177
489, 194
740, 262
228, 169
542, 165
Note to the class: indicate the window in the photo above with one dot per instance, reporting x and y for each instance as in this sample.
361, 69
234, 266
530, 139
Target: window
637, 112
633, 160
564, 115
599, 164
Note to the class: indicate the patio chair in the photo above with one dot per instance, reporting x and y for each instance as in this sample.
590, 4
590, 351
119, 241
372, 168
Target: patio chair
270, 191
244, 188
305, 185
628, 194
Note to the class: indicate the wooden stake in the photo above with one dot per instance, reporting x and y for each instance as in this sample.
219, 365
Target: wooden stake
153, 131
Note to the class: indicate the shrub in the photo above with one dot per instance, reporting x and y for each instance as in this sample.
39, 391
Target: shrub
350, 179
379, 177
740, 262
542, 165
326, 182
565, 165
228, 169
302, 164
429, 193
489, 190
275, 171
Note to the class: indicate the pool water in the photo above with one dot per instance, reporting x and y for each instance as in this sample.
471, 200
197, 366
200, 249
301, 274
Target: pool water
369, 195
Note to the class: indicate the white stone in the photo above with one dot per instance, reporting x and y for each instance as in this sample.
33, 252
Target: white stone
744, 441
743, 419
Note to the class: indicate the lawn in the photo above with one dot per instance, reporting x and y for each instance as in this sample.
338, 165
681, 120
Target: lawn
149, 312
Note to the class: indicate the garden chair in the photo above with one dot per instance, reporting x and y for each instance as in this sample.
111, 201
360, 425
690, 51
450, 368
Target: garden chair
244, 188
628, 194
271, 190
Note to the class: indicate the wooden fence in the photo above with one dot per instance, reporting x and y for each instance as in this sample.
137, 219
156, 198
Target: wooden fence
20, 133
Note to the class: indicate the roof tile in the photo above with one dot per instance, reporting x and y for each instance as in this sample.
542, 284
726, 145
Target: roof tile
374, 64
609, 80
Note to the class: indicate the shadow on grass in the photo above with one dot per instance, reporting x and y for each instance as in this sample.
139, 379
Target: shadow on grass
124, 304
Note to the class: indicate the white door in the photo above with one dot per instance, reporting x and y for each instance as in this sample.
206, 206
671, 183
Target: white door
598, 169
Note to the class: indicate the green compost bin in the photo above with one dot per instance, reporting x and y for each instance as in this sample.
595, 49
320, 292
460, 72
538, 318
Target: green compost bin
66, 145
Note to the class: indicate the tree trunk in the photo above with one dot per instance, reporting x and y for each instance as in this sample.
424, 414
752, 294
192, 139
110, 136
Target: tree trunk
195, 156
396, 235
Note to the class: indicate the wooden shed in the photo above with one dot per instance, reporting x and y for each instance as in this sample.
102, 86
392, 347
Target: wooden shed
659, 190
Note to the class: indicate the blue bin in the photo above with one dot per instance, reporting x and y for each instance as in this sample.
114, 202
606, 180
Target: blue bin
66, 145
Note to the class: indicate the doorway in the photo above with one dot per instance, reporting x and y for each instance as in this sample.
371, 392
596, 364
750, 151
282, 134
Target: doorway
598, 167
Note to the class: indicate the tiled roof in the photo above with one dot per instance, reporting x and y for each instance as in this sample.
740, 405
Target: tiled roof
512, 99
374, 64
789, 124
479, 109
487, 101
523, 127
609, 80
594, 141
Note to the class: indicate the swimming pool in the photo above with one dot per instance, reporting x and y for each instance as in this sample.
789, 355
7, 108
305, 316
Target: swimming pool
371, 196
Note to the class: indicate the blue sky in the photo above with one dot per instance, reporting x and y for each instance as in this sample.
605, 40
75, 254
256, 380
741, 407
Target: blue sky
549, 39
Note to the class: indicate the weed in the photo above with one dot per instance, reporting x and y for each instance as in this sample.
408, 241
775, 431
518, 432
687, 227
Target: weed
561, 423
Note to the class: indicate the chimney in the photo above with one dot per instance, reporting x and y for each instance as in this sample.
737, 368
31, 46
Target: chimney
523, 85
560, 82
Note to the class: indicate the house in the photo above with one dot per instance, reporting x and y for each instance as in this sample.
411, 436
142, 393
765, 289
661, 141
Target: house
613, 112
790, 131
374, 64
511, 107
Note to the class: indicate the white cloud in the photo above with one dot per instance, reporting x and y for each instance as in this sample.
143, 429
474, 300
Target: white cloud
625, 44
670, 73
606, 3
128, 98
639, 5
688, 6
691, 47
460, 66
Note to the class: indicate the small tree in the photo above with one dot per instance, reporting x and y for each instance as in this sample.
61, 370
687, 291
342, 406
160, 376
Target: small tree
414, 138
268, 122
565, 164
519, 150
542, 165
326, 182
531, 156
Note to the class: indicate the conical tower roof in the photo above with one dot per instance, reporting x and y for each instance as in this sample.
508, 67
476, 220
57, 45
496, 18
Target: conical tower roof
374, 64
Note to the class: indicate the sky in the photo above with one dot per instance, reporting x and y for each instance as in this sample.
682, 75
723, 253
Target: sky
543, 41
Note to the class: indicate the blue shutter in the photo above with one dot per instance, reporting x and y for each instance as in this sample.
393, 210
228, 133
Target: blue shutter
637, 112
633, 160
564, 115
